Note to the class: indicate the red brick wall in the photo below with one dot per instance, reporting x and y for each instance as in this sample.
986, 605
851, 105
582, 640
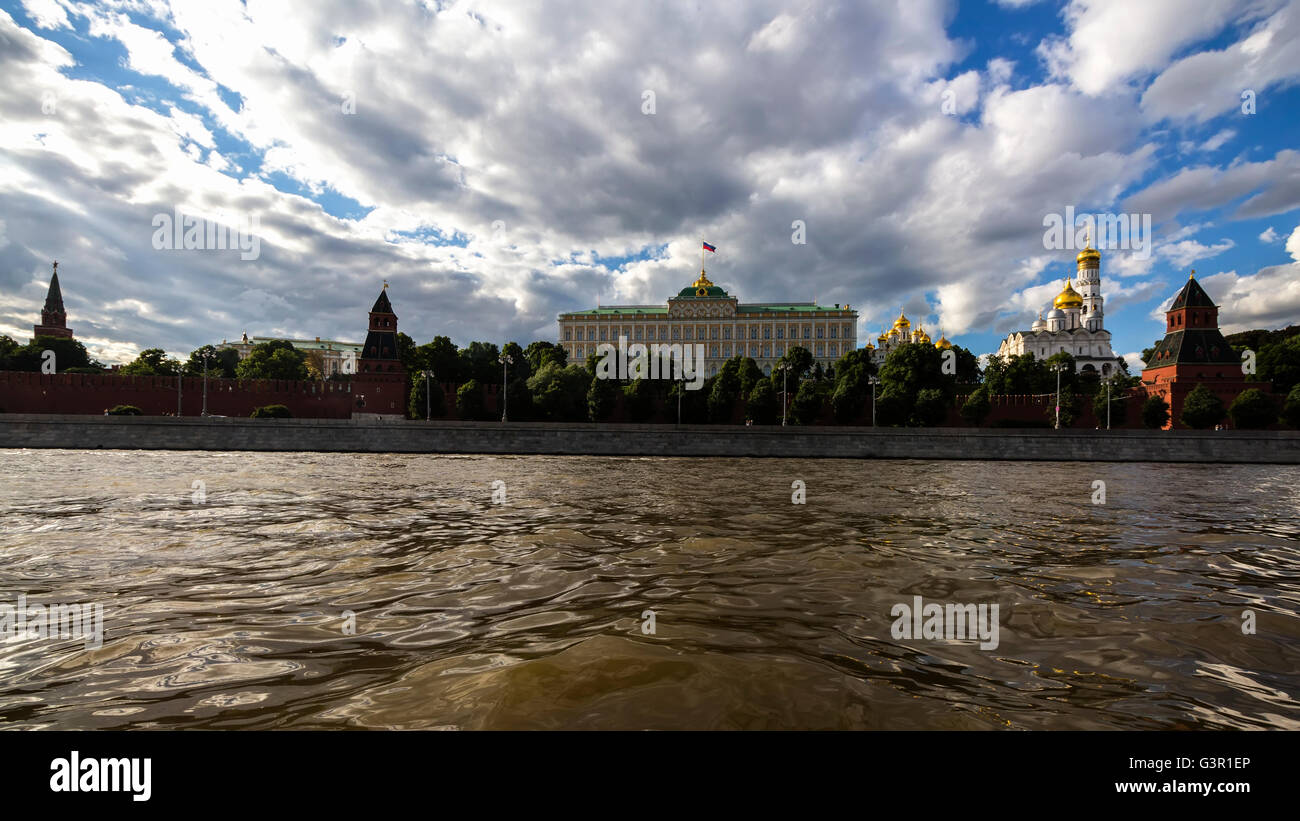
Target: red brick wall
156, 395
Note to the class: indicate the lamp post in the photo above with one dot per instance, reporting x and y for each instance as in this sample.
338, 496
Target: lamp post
874, 380
784, 368
427, 376
207, 355
506, 361
1058, 367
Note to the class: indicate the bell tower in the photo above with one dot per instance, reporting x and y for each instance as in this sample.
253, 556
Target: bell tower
1089, 276
54, 320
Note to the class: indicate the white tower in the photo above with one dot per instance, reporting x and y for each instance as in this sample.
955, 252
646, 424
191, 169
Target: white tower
1089, 276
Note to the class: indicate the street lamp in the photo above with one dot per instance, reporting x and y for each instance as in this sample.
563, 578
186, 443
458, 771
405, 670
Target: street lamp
506, 361
206, 355
427, 376
874, 380
784, 368
1058, 367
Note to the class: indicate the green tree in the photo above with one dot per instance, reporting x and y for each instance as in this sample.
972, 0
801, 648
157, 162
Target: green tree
762, 403
808, 402
480, 361
1279, 363
152, 362
694, 403
1118, 407
976, 408
1021, 374
559, 392
1201, 409
1252, 409
968, 366
469, 401
125, 410
892, 407
1291, 409
416, 407
271, 412
221, 362
931, 408
638, 401
1071, 404
1155, 412
602, 398
725, 391
539, 353
276, 359
69, 354
441, 357
8, 348
409, 354
800, 360
521, 368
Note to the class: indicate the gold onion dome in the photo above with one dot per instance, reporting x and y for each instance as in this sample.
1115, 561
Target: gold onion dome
1088, 255
901, 324
1068, 298
921, 336
943, 344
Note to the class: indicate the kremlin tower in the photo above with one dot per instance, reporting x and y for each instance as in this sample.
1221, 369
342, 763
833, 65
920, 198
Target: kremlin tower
54, 320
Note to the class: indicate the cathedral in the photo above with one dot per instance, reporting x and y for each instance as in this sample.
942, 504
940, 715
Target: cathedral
901, 334
1074, 325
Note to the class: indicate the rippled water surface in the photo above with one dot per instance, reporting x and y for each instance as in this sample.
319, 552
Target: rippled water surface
531, 614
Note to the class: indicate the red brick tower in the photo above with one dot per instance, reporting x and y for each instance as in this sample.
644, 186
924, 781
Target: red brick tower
380, 382
1194, 352
54, 320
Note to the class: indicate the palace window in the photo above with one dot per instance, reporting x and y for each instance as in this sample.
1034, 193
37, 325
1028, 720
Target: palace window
780, 332
753, 332
767, 351
807, 332
821, 332
767, 332
591, 334
714, 331
568, 334
726, 350
819, 349
780, 349
602, 334
677, 333
638, 333
715, 352
726, 333
663, 332
834, 330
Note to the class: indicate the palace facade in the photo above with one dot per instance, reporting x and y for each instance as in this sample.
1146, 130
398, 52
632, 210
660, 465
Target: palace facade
704, 313
1074, 325
335, 357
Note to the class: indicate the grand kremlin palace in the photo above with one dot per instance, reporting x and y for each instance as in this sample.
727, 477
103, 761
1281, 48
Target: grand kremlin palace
706, 314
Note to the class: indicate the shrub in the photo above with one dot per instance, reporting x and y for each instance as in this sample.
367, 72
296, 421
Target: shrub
931, 409
1291, 410
1118, 407
976, 408
1201, 409
469, 401
125, 410
1252, 409
1155, 412
271, 412
763, 404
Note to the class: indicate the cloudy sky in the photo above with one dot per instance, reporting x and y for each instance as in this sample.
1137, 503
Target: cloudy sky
501, 162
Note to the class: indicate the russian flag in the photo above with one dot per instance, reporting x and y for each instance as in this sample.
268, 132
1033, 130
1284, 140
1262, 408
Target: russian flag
709, 247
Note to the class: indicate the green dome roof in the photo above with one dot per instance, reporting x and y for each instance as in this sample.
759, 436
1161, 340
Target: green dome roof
692, 291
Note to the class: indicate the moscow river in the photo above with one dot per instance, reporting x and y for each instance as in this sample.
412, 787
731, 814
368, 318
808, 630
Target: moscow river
291, 590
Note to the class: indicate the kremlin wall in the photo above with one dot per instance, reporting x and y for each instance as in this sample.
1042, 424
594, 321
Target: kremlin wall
1192, 352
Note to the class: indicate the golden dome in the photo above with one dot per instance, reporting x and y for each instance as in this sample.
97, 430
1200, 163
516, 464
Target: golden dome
901, 324
943, 344
1068, 298
1088, 255
921, 336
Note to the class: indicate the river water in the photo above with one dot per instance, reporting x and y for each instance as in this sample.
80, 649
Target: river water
646, 592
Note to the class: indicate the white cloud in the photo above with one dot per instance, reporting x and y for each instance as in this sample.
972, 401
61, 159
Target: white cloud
1112, 41
1188, 251
1293, 244
1217, 141
1269, 235
1208, 83
1269, 298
